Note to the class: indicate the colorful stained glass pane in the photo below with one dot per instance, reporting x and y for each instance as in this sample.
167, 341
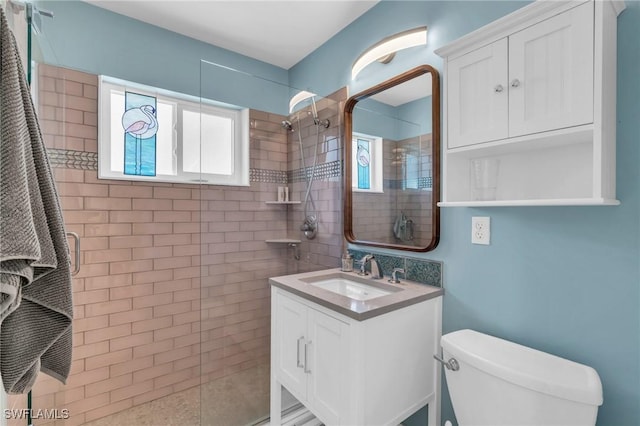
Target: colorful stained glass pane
364, 159
140, 127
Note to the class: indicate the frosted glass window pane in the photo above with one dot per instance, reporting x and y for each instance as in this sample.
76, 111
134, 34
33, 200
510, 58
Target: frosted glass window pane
215, 147
412, 171
191, 141
165, 141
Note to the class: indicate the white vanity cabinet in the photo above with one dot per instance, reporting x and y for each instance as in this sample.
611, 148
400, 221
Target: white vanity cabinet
309, 353
535, 90
377, 371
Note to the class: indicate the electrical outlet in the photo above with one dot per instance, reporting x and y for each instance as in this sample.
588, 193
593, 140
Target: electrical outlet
481, 230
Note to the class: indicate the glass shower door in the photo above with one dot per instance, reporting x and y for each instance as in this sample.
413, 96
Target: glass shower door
247, 235
236, 260
50, 402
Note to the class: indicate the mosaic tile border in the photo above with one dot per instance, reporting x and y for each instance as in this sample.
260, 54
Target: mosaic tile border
267, 176
423, 183
331, 169
68, 159
422, 271
83, 160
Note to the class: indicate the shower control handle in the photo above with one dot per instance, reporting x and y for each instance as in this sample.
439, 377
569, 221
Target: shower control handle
452, 364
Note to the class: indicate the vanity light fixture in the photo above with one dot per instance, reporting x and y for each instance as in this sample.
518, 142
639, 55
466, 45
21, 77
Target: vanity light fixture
384, 50
299, 97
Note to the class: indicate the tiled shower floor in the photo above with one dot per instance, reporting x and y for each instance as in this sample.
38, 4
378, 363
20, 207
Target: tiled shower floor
236, 400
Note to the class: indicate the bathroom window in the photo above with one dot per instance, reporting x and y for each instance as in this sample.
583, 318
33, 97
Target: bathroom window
170, 137
411, 171
366, 160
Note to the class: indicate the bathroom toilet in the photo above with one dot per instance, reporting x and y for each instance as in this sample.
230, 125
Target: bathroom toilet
501, 383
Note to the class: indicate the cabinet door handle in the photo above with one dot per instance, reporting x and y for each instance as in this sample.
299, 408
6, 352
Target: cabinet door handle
306, 351
515, 83
498, 88
298, 353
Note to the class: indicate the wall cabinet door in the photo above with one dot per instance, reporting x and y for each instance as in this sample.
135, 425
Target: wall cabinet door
478, 96
551, 73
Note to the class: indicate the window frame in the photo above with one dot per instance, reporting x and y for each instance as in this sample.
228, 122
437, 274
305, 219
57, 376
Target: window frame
181, 102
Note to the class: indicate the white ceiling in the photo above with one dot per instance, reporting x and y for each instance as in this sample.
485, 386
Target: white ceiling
277, 32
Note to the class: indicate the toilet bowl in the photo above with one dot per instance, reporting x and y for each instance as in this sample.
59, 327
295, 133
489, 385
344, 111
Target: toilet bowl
501, 383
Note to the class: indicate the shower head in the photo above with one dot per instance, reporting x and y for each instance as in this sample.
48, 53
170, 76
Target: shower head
287, 125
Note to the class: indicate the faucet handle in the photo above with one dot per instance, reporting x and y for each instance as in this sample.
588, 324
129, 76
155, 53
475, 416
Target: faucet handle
394, 275
363, 262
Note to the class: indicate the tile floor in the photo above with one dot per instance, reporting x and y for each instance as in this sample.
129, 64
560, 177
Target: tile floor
237, 400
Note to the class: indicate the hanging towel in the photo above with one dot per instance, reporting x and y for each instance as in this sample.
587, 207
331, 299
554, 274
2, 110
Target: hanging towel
36, 307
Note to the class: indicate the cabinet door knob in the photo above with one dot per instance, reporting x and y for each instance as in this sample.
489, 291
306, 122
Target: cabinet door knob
515, 83
498, 88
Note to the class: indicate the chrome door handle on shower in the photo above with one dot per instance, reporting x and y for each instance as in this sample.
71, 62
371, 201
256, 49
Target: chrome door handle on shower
76, 267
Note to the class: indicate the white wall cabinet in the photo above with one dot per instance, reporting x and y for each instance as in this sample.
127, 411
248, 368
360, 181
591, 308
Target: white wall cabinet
536, 91
346, 372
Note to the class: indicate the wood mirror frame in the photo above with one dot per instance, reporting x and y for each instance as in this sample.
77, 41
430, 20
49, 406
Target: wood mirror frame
347, 151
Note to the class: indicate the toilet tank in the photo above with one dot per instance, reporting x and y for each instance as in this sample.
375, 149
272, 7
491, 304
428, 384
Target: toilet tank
501, 383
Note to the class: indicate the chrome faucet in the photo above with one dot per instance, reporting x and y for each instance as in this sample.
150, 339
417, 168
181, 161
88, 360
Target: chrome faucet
376, 272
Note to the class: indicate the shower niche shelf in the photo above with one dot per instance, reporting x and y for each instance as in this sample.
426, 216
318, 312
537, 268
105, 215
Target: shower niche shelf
282, 202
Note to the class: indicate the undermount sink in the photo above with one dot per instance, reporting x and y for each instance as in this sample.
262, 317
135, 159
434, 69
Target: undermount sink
352, 287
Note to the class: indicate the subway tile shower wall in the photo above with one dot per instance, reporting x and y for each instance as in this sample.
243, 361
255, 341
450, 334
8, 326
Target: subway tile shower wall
173, 288
324, 251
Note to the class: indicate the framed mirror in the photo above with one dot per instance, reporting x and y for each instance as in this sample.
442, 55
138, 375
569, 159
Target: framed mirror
392, 163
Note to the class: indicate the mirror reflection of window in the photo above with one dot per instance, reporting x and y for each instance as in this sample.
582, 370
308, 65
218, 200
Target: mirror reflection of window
411, 171
366, 156
363, 159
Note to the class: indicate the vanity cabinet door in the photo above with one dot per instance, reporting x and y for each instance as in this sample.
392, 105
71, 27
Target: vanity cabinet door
477, 89
289, 350
551, 73
329, 379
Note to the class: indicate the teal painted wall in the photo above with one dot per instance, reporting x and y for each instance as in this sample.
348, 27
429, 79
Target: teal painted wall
564, 280
91, 39
560, 279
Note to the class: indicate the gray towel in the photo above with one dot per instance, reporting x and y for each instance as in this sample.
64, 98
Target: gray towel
36, 308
